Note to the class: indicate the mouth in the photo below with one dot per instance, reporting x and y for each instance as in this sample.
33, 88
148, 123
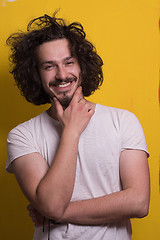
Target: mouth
63, 84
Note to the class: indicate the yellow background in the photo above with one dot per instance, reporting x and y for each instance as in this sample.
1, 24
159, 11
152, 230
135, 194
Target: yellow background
126, 35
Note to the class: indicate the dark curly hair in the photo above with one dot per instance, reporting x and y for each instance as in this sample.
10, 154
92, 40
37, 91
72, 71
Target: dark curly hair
43, 29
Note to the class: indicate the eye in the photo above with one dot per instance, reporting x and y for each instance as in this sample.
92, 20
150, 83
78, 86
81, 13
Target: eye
69, 63
48, 67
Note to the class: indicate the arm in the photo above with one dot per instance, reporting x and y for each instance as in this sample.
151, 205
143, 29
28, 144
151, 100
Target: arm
49, 189
132, 201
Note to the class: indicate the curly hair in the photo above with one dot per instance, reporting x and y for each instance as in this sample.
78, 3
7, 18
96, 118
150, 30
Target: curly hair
44, 29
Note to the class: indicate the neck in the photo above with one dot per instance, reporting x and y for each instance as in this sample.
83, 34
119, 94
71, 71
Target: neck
52, 112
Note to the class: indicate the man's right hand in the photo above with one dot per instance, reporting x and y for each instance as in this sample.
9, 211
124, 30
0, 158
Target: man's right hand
77, 115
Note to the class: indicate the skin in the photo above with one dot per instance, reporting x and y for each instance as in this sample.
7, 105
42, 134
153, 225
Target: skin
38, 181
131, 202
51, 198
59, 71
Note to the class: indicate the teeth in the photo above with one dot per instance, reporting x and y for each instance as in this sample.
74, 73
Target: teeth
64, 85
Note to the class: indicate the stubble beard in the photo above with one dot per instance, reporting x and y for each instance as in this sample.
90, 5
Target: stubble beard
65, 99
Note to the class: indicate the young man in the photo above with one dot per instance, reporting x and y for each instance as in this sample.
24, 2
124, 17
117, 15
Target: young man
81, 165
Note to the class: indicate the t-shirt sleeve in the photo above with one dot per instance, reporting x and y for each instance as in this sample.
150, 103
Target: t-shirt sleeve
19, 143
132, 134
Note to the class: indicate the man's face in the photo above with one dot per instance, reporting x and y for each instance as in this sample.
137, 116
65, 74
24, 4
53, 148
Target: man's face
59, 71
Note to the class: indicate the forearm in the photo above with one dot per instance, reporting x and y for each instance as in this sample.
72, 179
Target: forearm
132, 201
55, 189
107, 209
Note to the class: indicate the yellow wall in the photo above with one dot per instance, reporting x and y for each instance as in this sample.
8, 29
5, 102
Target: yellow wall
127, 37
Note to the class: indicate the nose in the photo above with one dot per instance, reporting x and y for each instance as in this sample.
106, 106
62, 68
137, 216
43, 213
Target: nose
61, 73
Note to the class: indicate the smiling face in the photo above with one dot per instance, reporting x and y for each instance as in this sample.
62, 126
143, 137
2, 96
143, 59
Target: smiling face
59, 71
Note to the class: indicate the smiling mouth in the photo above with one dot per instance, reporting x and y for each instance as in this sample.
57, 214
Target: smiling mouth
63, 84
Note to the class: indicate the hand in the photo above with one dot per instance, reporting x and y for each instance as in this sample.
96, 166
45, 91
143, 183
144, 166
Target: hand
77, 115
37, 218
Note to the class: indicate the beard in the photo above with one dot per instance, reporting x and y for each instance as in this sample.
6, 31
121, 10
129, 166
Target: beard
64, 99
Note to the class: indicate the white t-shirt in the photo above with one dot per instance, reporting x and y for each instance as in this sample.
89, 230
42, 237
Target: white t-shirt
109, 132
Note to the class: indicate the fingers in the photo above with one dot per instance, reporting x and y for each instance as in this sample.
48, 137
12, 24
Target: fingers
82, 101
91, 112
78, 95
35, 216
79, 91
79, 98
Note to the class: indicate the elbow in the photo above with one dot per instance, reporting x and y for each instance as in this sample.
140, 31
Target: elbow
54, 211
143, 212
142, 209
51, 207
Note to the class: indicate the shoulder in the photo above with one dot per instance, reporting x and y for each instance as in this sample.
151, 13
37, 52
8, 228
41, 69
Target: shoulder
114, 113
28, 126
120, 119
21, 139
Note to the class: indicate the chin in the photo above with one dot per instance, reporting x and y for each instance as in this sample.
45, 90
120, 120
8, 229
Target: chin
65, 101
66, 98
